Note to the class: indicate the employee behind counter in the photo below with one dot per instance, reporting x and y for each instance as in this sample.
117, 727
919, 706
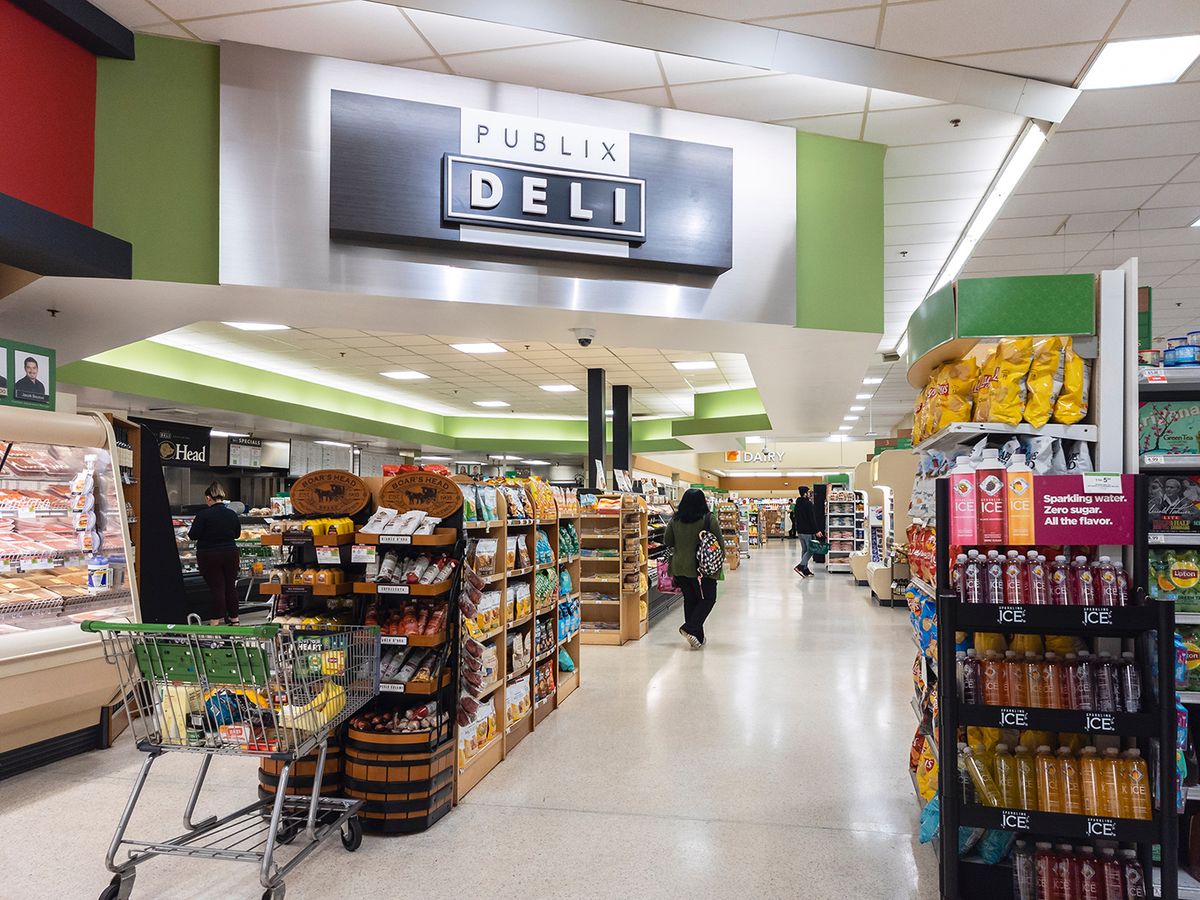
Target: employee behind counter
215, 530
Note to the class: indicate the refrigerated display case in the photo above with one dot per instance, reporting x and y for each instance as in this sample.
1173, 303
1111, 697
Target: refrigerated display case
65, 556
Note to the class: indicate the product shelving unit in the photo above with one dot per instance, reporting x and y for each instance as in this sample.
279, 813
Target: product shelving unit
840, 529
614, 580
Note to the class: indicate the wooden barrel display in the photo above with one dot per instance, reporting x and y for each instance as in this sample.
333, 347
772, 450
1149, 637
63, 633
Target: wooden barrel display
302, 775
406, 781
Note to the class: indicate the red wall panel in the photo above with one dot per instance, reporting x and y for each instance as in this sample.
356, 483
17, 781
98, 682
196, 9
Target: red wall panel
47, 116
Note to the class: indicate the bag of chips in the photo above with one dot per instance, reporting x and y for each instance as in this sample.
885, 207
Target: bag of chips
1071, 406
955, 382
1045, 380
1007, 391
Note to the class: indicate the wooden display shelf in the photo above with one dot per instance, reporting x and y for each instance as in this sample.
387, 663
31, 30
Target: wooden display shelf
441, 537
301, 590
413, 640
303, 537
418, 688
404, 590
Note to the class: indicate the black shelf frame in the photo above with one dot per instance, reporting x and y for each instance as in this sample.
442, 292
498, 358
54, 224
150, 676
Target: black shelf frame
1157, 721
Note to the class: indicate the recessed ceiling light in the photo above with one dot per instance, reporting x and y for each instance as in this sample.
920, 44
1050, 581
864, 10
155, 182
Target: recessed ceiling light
863, 396
216, 433
857, 408
754, 439
256, 326
486, 347
405, 375
333, 443
850, 418
1150, 61
537, 462
697, 365
434, 458
872, 380
492, 404
559, 388
845, 427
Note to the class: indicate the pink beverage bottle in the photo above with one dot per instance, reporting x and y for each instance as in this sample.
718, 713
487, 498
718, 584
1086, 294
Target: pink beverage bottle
1015, 589
1122, 585
1085, 681
1135, 878
1131, 683
1059, 577
1104, 577
1108, 681
1083, 583
964, 514
993, 578
972, 679
1039, 580
972, 590
1070, 689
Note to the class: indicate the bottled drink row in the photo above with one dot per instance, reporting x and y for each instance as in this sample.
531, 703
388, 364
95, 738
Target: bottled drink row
1050, 872
1076, 681
1092, 783
1029, 578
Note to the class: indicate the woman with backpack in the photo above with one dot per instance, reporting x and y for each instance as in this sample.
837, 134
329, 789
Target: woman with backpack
695, 537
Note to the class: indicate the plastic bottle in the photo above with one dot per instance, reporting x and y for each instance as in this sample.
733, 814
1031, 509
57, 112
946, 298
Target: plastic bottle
1111, 875
1014, 676
1063, 882
1090, 886
1085, 680
1135, 877
1015, 583
1024, 878
1108, 684
1089, 780
1131, 684
1052, 678
1083, 585
1039, 580
1018, 486
1033, 675
1006, 777
964, 514
993, 680
1060, 582
1104, 578
1135, 786
1122, 585
1027, 796
972, 679
986, 792
1072, 789
1043, 864
972, 589
1048, 781
991, 498
1109, 771
993, 578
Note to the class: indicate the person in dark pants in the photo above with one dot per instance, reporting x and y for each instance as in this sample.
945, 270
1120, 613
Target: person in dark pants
683, 537
214, 530
804, 518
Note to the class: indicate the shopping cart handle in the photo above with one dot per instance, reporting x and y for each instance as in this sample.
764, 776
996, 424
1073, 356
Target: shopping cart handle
265, 632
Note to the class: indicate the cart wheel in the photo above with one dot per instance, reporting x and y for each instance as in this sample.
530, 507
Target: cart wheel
275, 893
352, 834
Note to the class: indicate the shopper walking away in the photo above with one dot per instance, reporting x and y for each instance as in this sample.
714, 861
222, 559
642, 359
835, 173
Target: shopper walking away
214, 530
804, 518
697, 578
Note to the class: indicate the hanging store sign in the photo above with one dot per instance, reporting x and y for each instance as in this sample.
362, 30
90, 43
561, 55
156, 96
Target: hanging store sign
403, 171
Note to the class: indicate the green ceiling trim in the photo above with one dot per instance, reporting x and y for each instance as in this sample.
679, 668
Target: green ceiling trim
719, 404
723, 425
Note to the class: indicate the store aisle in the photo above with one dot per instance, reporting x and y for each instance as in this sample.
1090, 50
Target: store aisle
770, 764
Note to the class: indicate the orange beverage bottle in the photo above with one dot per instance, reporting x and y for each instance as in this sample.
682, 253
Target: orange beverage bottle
1072, 789
1049, 781
1110, 783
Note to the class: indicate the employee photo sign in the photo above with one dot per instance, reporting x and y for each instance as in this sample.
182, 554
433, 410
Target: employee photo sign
27, 376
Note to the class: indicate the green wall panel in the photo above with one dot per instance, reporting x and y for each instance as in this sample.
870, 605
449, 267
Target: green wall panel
1027, 304
839, 234
157, 157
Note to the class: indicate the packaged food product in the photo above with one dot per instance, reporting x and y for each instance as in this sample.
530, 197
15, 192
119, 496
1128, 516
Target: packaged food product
954, 383
1071, 406
1045, 380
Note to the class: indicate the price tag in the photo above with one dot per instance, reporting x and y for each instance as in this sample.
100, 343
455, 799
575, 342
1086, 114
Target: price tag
363, 553
1154, 375
395, 539
392, 589
1102, 482
329, 556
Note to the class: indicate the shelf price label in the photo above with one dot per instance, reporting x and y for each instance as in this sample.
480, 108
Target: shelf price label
329, 556
395, 539
363, 553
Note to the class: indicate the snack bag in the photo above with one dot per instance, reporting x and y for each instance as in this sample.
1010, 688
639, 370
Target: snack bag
982, 393
1045, 380
1007, 391
1071, 406
955, 382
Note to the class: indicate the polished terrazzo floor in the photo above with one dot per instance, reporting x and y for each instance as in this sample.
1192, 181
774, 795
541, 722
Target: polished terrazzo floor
773, 763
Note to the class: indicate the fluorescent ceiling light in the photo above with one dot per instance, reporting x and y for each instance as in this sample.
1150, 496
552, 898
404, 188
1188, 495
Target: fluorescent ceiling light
559, 388
537, 462
863, 396
333, 443
872, 381
1010, 175
492, 404
754, 439
405, 375
256, 326
857, 408
1150, 61
486, 347
850, 418
216, 433
695, 365
434, 458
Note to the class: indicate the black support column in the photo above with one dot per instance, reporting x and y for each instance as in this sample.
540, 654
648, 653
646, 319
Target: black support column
622, 434
596, 436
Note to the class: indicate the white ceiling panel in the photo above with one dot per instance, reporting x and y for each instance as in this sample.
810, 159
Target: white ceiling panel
932, 124
367, 31
771, 98
686, 69
131, 13
848, 126
582, 67
929, 213
1158, 18
451, 34
1077, 201
1061, 64
854, 26
954, 156
1123, 107
1094, 175
958, 186
945, 27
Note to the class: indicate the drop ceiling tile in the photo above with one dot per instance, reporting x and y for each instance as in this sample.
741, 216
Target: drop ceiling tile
1177, 194
428, 64
958, 186
1125, 107
929, 213
1157, 18
771, 97
1062, 65
953, 156
582, 67
1120, 143
371, 32
650, 96
131, 13
944, 27
1071, 202
848, 126
852, 26
165, 29
687, 69
455, 34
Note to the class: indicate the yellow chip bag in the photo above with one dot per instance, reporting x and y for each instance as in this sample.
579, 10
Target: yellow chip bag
982, 393
1007, 401
1045, 380
1072, 404
955, 382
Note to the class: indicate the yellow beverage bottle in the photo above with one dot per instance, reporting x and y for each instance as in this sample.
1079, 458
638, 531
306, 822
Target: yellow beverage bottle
1049, 781
1033, 674
986, 792
1109, 770
1027, 792
1134, 786
1006, 778
1072, 787
1089, 780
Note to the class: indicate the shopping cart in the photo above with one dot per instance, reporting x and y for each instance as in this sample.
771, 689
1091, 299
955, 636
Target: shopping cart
265, 691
